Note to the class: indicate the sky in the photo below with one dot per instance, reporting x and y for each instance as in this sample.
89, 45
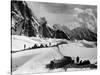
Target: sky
56, 13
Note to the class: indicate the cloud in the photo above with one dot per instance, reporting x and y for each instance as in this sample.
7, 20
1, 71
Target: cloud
78, 10
86, 18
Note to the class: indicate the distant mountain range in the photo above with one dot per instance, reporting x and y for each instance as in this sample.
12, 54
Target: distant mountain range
24, 22
78, 33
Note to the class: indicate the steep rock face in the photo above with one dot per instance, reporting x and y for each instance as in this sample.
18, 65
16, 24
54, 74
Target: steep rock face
61, 31
29, 30
60, 34
22, 19
51, 32
46, 31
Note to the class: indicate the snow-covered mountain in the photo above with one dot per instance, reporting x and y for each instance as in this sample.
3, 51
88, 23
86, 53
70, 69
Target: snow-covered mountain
26, 23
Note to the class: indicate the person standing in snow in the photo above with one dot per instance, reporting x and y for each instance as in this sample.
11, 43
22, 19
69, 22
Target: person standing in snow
77, 59
24, 46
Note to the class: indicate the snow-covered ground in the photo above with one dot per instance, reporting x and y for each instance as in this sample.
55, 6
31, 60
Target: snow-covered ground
34, 60
74, 50
18, 42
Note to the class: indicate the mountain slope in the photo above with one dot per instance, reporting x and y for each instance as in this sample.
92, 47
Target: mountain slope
78, 33
83, 33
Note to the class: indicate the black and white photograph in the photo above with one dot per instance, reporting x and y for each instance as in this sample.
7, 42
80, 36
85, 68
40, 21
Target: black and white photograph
51, 37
